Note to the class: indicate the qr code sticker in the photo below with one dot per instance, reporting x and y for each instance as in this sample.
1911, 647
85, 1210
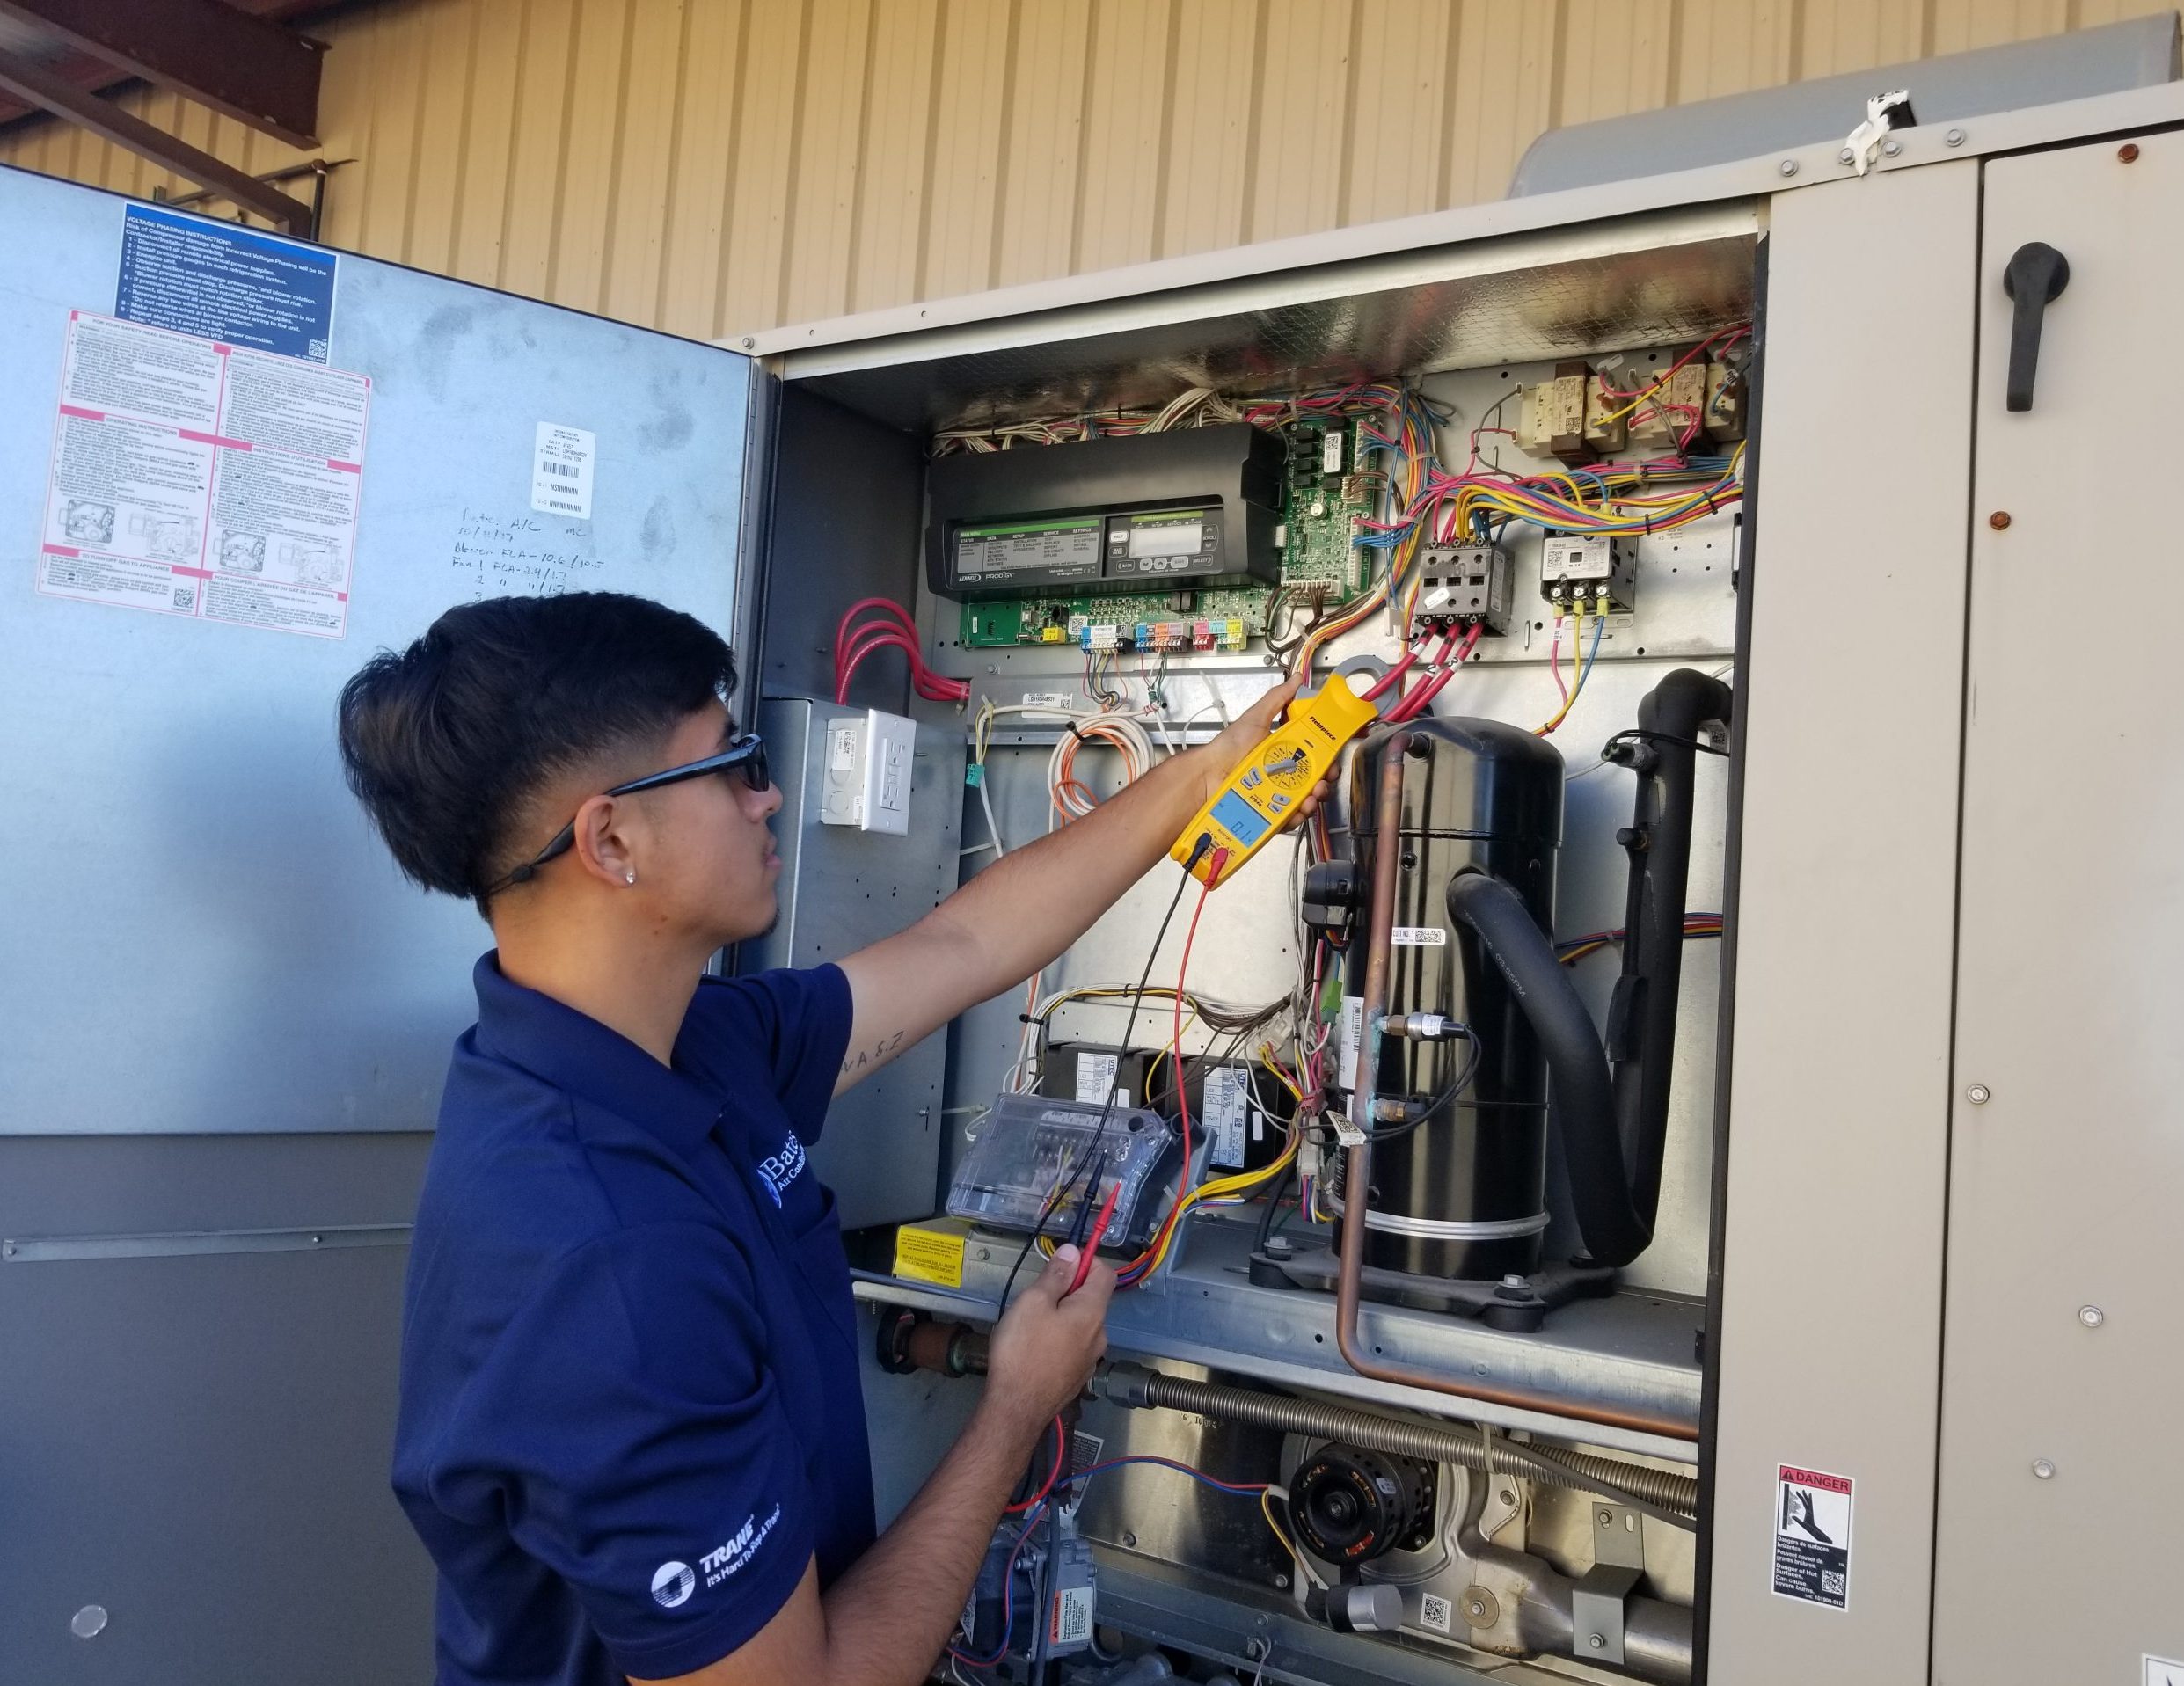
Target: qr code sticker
1436, 1613
318, 350
186, 596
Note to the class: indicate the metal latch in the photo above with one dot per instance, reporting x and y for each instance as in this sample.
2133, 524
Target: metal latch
1883, 113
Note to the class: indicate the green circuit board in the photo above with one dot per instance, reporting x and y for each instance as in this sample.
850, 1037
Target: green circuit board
1320, 513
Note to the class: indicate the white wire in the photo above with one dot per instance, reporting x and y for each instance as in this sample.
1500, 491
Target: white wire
1135, 747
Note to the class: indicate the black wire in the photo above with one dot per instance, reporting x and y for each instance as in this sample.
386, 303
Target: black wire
1637, 736
1456, 1086
1274, 1202
1106, 1111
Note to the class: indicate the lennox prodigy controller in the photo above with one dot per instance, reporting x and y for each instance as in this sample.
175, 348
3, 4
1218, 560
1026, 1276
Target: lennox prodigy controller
1144, 512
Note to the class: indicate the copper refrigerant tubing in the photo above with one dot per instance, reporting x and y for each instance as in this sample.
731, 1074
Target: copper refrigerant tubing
1357, 1162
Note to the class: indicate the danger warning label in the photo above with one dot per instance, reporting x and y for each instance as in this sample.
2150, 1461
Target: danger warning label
1812, 1536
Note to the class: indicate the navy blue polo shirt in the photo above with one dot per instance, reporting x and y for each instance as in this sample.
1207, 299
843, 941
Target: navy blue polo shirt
629, 1410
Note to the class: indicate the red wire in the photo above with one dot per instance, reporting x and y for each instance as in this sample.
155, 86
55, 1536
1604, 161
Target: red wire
1214, 864
1055, 1474
936, 687
1392, 676
1415, 705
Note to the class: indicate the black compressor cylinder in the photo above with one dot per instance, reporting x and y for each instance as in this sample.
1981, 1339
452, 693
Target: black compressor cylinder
1459, 1183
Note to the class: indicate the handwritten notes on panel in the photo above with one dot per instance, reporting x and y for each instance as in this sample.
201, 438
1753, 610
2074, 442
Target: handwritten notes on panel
507, 555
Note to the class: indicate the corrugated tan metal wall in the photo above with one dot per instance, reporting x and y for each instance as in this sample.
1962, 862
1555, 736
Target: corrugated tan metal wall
710, 166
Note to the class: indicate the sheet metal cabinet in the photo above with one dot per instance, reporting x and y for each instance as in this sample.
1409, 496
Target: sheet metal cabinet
1950, 1298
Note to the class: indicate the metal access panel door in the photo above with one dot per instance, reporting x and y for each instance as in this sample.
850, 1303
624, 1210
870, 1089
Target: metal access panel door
2062, 1472
202, 934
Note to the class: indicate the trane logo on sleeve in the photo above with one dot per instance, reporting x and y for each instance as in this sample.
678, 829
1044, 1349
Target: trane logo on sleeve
723, 1561
779, 1170
674, 1582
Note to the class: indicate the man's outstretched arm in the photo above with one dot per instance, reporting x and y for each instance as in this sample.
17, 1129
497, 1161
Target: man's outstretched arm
1022, 911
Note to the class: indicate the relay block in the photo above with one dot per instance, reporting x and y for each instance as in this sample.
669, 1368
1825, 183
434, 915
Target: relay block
1463, 585
1577, 572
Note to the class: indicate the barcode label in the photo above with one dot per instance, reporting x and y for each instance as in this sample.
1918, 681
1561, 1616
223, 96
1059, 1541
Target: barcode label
561, 470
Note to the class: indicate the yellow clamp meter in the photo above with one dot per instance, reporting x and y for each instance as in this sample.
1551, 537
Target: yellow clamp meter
1267, 788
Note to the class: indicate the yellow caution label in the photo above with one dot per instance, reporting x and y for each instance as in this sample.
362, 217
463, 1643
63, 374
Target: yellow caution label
932, 1254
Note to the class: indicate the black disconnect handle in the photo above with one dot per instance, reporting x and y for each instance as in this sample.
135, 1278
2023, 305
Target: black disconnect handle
2036, 275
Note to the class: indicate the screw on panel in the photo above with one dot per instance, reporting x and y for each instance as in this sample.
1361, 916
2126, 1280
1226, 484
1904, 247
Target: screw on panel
1999, 520
2128, 153
1597, 1641
2043, 1469
2091, 1316
1979, 1094
1892, 147
1788, 166
89, 1622
1846, 156
1954, 137
748, 342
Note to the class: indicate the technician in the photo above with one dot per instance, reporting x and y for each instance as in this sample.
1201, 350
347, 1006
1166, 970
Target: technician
630, 1431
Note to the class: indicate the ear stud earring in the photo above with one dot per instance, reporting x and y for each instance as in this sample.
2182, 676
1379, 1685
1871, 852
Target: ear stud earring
629, 877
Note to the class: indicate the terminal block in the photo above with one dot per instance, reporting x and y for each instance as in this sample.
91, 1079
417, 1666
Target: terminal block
1578, 572
1463, 585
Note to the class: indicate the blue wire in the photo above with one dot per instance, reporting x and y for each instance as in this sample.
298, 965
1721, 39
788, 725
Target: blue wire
1031, 1517
1008, 1591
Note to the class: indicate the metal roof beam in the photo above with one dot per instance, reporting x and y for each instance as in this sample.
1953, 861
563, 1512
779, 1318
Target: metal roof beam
245, 66
42, 87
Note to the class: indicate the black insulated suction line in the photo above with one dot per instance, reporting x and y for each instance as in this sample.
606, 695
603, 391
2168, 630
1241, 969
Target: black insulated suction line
1583, 1093
1614, 1128
1641, 1014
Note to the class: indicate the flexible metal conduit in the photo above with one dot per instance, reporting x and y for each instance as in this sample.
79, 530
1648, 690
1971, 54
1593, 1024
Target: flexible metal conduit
1134, 1384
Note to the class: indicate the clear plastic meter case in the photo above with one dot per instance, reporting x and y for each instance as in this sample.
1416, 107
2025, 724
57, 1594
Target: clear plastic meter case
1030, 1146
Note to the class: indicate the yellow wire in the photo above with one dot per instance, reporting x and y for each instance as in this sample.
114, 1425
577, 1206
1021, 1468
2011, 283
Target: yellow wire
1266, 1509
1579, 668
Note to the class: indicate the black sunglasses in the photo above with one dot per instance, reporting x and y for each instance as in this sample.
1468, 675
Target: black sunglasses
747, 755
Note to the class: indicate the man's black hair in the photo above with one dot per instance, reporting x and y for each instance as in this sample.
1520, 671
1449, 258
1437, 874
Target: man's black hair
446, 742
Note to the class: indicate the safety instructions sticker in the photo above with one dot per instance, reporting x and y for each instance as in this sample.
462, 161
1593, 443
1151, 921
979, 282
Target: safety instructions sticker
226, 283
561, 470
1095, 1076
194, 477
1226, 1087
1812, 1536
2159, 1671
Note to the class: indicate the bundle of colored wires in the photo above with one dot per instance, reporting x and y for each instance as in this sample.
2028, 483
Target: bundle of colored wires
892, 628
1576, 948
1579, 672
